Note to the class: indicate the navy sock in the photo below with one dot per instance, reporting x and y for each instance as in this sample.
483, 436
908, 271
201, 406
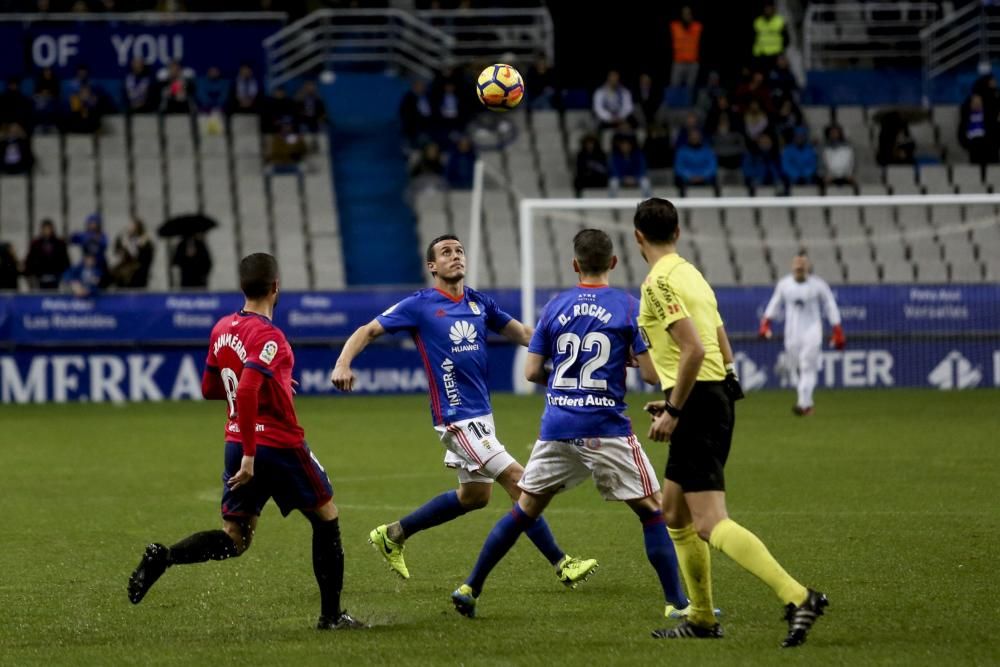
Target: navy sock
497, 544
434, 512
203, 546
663, 558
542, 538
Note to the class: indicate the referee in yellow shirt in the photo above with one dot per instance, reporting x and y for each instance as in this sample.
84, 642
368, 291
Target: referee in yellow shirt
679, 320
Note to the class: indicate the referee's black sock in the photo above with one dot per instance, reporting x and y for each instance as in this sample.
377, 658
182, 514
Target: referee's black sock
201, 547
328, 565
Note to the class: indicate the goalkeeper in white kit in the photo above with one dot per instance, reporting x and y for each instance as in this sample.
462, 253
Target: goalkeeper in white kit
805, 298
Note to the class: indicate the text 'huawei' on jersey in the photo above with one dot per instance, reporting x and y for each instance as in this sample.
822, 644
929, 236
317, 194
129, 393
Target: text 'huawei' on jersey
589, 333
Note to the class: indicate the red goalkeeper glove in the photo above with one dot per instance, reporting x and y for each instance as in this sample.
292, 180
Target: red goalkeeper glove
838, 340
765, 329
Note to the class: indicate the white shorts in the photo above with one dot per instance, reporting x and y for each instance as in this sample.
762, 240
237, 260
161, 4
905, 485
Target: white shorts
472, 447
619, 466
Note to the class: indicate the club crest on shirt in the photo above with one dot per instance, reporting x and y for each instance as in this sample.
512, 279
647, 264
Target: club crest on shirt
474, 307
268, 353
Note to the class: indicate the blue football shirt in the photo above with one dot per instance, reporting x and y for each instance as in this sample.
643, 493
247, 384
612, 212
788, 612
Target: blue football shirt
451, 337
588, 333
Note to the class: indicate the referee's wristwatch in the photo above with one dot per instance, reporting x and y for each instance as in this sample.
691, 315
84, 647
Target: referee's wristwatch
671, 409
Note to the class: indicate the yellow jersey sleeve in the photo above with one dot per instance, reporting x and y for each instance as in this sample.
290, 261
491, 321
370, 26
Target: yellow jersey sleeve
665, 305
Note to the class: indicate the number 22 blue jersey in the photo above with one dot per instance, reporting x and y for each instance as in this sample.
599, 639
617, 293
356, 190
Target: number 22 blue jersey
588, 333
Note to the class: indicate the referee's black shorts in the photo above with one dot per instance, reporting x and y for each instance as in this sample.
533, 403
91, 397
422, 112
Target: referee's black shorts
699, 446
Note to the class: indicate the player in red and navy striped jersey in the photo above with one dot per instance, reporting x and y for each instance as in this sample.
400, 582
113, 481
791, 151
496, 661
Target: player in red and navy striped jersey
449, 323
249, 365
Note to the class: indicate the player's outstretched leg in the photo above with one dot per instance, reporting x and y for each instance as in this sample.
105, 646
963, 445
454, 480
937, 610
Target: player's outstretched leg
328, 566
570, 570
389, 539
198, 548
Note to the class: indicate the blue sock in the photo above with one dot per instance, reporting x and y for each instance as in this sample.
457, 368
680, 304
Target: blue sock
663, 558
497, 544
542, 538
434, 512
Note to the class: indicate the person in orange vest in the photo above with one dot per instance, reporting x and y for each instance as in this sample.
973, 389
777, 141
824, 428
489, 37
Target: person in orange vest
686, 37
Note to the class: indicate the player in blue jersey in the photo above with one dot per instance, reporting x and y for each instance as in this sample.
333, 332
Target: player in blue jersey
590, 334
449, 323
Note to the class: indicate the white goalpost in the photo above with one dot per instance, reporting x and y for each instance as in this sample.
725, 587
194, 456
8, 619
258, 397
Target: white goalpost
950, 224
529, 208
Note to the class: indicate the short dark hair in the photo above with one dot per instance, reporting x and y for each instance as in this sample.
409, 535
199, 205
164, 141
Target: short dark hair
657, 220
593, 250
258, 273
431, 256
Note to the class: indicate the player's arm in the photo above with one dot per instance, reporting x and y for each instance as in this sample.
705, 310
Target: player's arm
837, 338
646, 368
212, 387
247, 399
342, 376
535, 370
773, 306
692, 353
516, 332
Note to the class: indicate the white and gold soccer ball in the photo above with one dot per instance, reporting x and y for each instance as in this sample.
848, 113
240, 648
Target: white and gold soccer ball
500, 87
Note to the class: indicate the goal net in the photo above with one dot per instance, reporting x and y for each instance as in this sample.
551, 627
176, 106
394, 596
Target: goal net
915, 277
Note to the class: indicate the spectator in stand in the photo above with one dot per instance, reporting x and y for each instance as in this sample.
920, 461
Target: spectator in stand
770, 37
721, 108
710, 95
788, 120
695, 163
311, 108
729, 143
986, 87
246, 91
838, 158
760, 164
542, 85
81, 79
10, 268
15, 150
15, 107
92, 240
895, 145
657, 148
86, 278
753, 89
134, 253
451, 113
428, 171
782, 82
649, 100
48, 258
591, 166
277, 110
627, 167
461, 165
176, 88
416, 114
685, 34
612, 103
799, 161
286, 148
212, 99
978, 131
83, 112
193, 261
46, 99
691, 124
140, 91
755, 122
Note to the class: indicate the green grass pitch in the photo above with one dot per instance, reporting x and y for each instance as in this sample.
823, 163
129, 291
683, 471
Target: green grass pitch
885, 500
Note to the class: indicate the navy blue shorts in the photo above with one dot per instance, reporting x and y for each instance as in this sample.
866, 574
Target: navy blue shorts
293, 477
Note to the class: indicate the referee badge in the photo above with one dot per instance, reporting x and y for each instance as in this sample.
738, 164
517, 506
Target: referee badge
474, 307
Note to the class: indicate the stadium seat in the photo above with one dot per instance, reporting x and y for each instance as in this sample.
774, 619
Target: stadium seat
182, 190
81, 188
817, 118
145, 136
776, 225
15, 227
716, 264
804, 191
823, 257
754, 269
894, 266
149, 190
734, 191
934, 179
967, 176
47, 199
901, 177
993, 177
246, 135
858, 266
114, 186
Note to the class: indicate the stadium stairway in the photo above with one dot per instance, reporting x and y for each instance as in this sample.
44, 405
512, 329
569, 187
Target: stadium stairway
378, 228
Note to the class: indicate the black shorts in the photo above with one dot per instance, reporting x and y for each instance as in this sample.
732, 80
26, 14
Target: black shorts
699, 446
292, 476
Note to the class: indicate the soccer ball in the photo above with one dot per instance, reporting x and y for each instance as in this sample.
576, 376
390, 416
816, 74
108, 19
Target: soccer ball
500, 87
